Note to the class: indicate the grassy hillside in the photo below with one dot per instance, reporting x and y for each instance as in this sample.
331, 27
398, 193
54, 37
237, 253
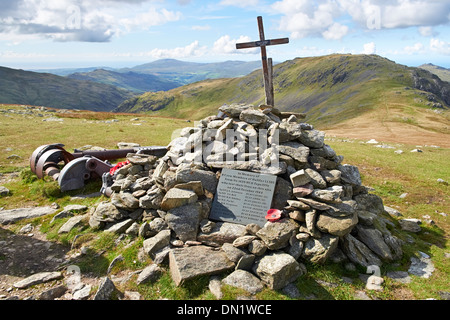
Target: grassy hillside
43, 89
132, 81
330, 89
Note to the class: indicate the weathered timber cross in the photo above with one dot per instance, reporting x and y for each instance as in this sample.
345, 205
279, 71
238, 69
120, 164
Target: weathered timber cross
266, 63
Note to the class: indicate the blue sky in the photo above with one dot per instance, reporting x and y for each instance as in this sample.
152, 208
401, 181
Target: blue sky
80, 33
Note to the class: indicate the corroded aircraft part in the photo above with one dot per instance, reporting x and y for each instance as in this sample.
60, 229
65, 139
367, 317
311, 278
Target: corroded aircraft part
40, 151
76, 172
48, 162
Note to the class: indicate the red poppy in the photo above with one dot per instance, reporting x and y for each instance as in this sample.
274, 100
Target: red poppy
118, 166
273, 215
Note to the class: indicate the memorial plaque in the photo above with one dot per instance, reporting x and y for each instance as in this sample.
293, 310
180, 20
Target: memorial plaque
243, 197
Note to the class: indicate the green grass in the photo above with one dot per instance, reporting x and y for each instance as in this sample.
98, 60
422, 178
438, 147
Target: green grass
389, 174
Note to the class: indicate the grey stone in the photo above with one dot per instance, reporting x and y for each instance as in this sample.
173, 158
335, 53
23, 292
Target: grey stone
345, 208
245, 262
4, 191
303, 191
215, 286
374, 240
297, 204
310, 220
37, 278
297, 152
149, 274
312, 138
221, 233
350, 174
185, 220
316, 179
315, 204
278, 269
252, 116
358, 252
299, 178
295, 248
233, 253
329, 195
152, 245
421, 266
190, 262
326, 152
52, 293
207, 178
392, 212
120, 227
104, 213
410, 225
257, 247
399, 276
71, 223
297, 215
244, 280
370, 202
332, 177
233, 110
125, 200
82, 293
243, 241
276, 235
105, 290
178, 197
337, 225
195, 186
14, 215
318, 250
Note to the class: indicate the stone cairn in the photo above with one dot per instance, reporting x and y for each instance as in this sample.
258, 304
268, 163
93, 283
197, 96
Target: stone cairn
326, 212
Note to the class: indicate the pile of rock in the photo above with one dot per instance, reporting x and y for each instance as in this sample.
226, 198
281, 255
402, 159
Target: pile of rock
326, 212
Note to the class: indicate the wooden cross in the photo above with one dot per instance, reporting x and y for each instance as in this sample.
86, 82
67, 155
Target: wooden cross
267, 65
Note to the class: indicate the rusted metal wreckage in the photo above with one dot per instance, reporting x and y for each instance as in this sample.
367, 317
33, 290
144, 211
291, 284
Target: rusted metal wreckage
81, 166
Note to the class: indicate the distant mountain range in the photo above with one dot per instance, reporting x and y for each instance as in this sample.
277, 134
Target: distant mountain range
104, 89
132, 81
160, 75
44, 89
330, 89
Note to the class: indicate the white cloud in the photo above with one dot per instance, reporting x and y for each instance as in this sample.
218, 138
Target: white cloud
192, 50
303, 18
426, 31
201, 28
80, 20
239, 3
369, 48
440, 46
335, 32
416, 48
226, 45
331, 19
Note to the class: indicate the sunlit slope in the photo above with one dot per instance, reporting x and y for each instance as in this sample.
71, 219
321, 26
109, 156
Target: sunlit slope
329, 89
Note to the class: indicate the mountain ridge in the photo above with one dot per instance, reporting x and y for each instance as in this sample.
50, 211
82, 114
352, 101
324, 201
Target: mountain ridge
329, 89
132, 81
44, 89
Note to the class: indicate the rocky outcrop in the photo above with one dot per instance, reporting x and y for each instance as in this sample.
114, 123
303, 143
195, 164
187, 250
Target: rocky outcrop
324, 207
